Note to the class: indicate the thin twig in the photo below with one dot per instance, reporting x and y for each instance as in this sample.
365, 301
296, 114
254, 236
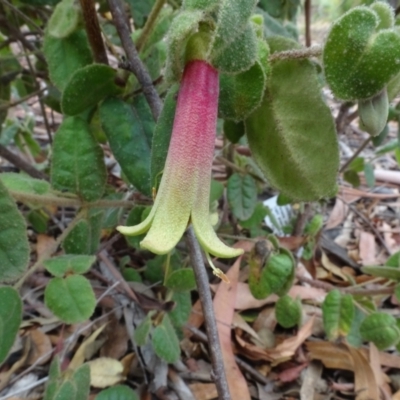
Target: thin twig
314, 51
209, 317
307, 14
148, 27
23, 16
135, 63
355, 155
6, 106
93, 31
21, 163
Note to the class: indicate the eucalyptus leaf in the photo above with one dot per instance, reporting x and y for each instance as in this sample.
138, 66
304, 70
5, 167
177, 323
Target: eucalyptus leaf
290, 133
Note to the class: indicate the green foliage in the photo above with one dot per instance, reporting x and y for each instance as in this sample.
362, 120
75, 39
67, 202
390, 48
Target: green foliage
87, 86
381, 329
128, 141
242, 93
183, 307
66, 56
14, 246
10, 319
385, 14
291, 131
24, 183
374, 112
119, 392
204, 5
288, 311
143, 330
181, 280
165, 341
78, 165
69, 263
338, 314
242, 195
71, 299
64, 20
233, 131
359, 60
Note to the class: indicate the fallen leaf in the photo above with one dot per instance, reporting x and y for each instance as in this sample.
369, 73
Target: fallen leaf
204, 391
331, 267
224, 306
338, 214
43, 244
291, 374
367, 248
41, 348
105, 372
116, 344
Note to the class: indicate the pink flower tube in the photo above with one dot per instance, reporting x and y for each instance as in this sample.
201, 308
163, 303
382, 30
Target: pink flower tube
184, 191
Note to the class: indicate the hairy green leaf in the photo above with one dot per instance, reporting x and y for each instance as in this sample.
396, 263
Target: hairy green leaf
181, 280
128, 141
78, 165
292, 131
165, 341
381, 329
242, 195
118, 392
288, 311
183, 307
142, 331
10, 319
65, 56
69, 263
18, 182
65, 19
71, 299
338, 313
88, 86
14, 245
359, 60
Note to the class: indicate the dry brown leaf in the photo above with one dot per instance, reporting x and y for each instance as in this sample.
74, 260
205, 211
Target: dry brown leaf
245, 300
239, 322
196, 318
204, 391
367, 248
396, 396
364, 379
116, 344
43, 244
332, 355
105, 372
41, 348
381, 378
331, 267
80, 354
338, 214
224, 306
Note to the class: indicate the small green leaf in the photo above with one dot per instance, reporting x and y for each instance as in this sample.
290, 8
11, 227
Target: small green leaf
128, 141
242, 195
81, 380
393, 260
85, 236
142, 331
78, 165
234, 131
65, 19
383, 272
242, 93
237, 56
352, 177
291, 131
288, 311
162, 136
259, 214
24, 183
360, 61
118, 392
14, 245
71, 299
315, 225
54, 381
381, 329
374, 112
369, 175
181, 280
181, 312
182, 26
67, 391
69, 263
165, 341
203, 5
10, 319
338, 314
87, 87
65, 56
385, 13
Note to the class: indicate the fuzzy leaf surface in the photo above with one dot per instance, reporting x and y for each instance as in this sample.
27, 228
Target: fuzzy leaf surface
69, 263
14, 245
10, 319
292, 134
78, 165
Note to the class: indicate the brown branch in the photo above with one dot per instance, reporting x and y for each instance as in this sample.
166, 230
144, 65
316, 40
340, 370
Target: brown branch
21, 164
135, 63
93, 31
203, 288
307, 14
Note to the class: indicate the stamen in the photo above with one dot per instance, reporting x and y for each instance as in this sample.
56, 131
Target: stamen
216, 271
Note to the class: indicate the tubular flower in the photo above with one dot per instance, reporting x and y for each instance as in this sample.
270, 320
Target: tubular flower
184, 191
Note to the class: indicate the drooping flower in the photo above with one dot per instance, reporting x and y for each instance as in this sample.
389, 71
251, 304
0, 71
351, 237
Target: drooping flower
183, 195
